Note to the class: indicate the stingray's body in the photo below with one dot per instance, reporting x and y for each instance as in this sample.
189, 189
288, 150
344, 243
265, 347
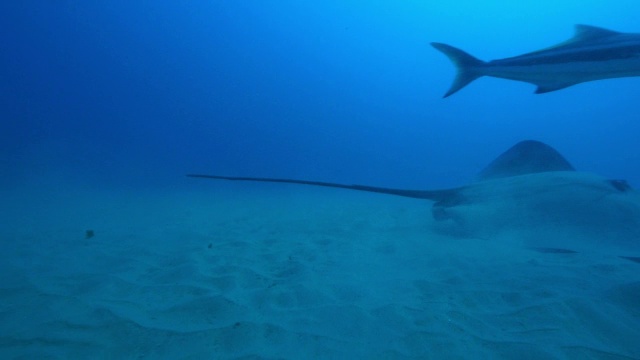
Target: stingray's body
533, 193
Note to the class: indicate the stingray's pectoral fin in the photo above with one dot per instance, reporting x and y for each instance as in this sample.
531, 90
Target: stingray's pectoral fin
635, 259
546, 250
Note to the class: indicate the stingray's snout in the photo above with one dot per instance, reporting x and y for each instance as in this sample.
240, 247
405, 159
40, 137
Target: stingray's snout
439, 213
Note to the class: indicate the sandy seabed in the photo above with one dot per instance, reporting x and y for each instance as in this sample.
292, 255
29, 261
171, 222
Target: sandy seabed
233, 272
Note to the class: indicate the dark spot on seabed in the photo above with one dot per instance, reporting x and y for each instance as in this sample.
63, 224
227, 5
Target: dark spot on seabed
632, 258
554, 251
89, 234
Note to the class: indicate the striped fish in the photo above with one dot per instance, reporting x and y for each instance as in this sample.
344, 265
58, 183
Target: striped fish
593, 53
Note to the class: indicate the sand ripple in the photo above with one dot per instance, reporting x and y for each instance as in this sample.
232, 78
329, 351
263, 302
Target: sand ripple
349, 278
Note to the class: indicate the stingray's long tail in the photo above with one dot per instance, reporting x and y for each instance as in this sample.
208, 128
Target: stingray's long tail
435, 195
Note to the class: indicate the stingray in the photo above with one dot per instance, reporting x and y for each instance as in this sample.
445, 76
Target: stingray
530, 192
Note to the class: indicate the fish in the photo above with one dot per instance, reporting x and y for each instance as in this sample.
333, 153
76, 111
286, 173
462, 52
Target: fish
593, 53
530, 192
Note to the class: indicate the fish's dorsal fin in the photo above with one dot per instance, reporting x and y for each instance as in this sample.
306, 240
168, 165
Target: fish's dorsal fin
583, 34
525, 157
589, 33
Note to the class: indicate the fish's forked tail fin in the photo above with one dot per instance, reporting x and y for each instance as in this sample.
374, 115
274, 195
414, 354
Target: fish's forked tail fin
469, 68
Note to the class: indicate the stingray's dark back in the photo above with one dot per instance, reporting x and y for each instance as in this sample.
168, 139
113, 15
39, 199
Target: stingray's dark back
525, 157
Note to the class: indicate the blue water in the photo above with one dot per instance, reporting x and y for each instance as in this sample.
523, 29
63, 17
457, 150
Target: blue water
119, 93
135, 94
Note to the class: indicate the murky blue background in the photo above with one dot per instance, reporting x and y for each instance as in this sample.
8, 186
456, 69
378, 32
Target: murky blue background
136, 94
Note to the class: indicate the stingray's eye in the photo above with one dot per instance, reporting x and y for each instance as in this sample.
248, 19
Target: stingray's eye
620, 185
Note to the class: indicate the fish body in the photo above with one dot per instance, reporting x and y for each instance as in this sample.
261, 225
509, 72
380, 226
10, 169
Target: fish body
593, 53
